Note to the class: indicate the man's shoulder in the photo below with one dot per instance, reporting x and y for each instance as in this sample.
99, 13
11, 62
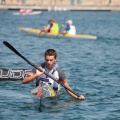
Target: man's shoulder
61, 73
59, 70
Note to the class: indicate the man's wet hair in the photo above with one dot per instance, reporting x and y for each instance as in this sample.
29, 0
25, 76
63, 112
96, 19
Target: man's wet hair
50, 52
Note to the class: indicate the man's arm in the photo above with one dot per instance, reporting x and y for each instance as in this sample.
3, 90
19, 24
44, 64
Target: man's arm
31, 76
81, 97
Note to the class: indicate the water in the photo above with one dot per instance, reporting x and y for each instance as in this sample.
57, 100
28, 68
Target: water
91, 66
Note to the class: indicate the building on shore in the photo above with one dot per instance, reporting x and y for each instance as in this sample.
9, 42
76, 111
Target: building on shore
61, 4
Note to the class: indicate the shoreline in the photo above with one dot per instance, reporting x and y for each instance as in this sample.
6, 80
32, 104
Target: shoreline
61, 8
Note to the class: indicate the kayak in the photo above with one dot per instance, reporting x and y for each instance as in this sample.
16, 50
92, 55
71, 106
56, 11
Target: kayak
43, 95
32, 13
13, 74
37, 31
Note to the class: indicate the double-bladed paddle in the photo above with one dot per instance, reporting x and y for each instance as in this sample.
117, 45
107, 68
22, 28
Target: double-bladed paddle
20, 55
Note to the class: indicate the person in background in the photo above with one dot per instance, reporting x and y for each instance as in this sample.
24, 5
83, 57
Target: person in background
52, 27
23, 11
28, 11
51, 67
69, 29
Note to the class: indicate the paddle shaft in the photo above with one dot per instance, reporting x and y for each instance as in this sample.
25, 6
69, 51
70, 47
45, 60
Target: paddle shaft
19, 54
63, 22
61, 26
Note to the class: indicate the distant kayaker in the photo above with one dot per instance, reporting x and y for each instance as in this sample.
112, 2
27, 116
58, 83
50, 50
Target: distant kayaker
23, 11
69, 29
51, 67
52, 27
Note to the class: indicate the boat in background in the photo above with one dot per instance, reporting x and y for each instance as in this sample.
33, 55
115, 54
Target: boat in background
24, 11
37, 31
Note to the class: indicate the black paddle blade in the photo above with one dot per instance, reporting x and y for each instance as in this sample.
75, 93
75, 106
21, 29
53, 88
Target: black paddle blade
13, 74
8, 45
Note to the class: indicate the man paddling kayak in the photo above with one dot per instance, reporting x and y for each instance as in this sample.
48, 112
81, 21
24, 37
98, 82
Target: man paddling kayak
50, 66
52, 27
69, 29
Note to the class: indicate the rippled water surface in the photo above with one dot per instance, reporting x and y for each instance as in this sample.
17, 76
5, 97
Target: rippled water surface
91, 66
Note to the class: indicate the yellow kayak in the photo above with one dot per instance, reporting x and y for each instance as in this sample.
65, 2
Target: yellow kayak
37, 31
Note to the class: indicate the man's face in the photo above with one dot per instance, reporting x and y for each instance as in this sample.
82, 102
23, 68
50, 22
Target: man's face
50, 60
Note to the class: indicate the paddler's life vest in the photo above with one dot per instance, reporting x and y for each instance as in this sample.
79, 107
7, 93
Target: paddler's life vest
55, 28
45, 79
72, 30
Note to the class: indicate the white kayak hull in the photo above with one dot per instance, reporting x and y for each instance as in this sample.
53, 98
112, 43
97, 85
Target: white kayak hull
32, 13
